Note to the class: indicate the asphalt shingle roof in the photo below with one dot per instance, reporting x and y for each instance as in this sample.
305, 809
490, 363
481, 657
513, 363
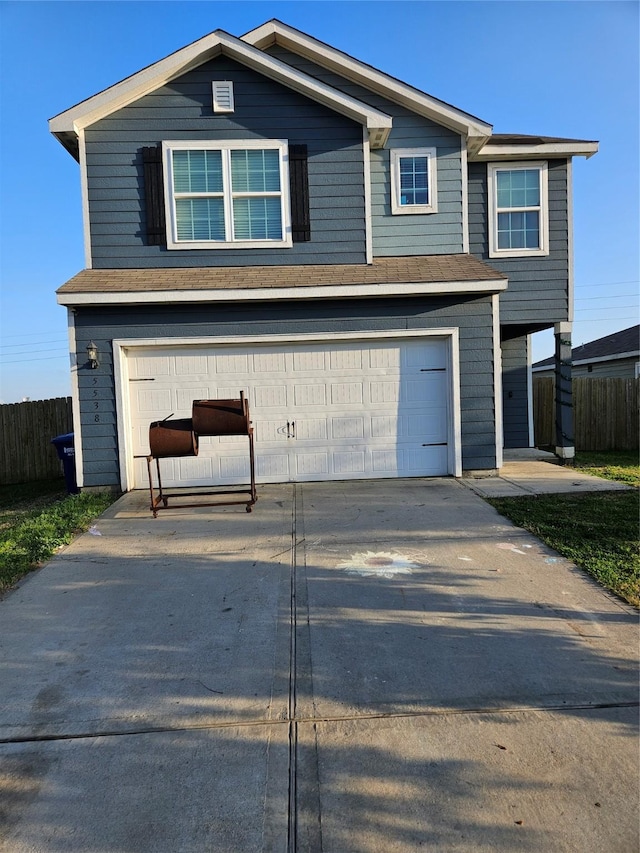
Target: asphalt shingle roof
627, 340
401, 270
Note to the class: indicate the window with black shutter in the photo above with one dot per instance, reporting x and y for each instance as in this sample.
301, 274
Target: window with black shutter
154, 196
299, 186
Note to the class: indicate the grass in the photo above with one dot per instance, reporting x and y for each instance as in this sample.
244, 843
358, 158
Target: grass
622, 466
38, 518
598, 531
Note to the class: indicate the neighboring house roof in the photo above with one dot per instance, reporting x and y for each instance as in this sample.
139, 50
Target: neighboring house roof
425, 274
67, 125
623, 344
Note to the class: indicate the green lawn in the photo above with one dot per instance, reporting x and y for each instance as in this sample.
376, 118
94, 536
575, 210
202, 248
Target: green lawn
36, 519
620, 465
598, 531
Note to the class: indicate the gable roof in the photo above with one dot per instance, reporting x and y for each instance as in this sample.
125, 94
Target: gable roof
482, 144
67, 125
274, 31
623, 344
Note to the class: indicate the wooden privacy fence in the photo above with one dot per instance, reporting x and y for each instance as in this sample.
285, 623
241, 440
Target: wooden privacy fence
26, 452
605, 413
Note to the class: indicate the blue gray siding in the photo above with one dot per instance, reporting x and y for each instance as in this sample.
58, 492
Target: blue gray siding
409, 234
538, 287
472, 316
515, 393
264, 110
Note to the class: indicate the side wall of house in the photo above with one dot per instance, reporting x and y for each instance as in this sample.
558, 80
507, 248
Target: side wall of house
515, 392
473, 317
538, 287
182, 110
403, 234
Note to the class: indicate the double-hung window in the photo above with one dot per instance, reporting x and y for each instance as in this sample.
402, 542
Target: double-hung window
413, 180
518, 204
231, 194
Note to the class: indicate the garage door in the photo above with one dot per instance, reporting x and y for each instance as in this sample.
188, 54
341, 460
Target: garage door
350, 410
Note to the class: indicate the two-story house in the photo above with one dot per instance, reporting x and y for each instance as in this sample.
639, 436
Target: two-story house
366, 262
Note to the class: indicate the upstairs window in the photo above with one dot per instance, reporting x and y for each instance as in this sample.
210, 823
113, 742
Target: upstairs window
227, 195
413, 180
518, 203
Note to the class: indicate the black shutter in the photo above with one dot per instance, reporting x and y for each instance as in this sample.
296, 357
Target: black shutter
299, 185
154, 195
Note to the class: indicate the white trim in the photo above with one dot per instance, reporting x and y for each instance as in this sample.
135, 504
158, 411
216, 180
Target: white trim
84, 191
154, 76
455, 445
395, 155
564, 327
281, 145
532, 437
123, 416
573, 148
543, 222
121, 346
222, 96
474, 129
270, 294
570, 271
75, 399
368, 220
497, 380
615, 357
465, 197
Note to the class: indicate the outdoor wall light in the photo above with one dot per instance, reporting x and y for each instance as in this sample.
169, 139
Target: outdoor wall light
92, 355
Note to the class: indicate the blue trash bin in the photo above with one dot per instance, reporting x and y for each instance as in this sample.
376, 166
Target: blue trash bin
67, 455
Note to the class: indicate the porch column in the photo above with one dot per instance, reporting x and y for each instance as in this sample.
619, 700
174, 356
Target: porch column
565, 448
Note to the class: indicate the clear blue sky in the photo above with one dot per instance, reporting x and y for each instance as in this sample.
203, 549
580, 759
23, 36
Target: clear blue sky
555, 68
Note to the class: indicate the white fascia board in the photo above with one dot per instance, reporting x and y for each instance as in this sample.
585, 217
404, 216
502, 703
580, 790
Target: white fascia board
271, 294
542, 150
154, 76
615, 357
275, 32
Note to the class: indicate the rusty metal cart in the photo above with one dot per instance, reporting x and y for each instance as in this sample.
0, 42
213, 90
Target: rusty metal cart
180, 438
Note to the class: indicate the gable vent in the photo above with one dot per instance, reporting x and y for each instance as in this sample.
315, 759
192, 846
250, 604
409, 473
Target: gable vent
222, 96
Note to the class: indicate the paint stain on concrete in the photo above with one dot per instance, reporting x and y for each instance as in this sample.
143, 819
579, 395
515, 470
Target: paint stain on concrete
383, 564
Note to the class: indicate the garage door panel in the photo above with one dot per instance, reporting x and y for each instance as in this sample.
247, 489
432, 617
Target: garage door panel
310, 362
308, 465
273, 468
347, 428
312, 394
360, 409
269, 397
269, 363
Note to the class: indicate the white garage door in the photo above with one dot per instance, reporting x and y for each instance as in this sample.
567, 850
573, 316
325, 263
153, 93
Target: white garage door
345, 410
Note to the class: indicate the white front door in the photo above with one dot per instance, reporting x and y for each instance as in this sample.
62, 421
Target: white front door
321, 411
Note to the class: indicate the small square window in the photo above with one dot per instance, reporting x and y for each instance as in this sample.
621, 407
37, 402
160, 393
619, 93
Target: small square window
413, 180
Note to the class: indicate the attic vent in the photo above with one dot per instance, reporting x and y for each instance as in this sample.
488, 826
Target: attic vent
222, 96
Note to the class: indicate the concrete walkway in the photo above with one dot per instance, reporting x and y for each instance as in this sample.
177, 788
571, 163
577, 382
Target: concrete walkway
366, 666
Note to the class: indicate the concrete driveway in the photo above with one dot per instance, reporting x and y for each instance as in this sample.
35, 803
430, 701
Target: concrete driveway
366, 666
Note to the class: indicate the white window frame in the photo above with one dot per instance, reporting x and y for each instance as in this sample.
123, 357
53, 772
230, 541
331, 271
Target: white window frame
542, 209
226, 146
432, 172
